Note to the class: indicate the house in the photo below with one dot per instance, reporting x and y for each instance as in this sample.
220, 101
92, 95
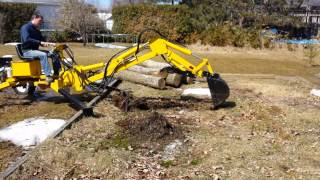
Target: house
309, 11
49, 9
107, 18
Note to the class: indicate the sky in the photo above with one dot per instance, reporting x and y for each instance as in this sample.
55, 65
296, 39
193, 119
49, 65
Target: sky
101, 4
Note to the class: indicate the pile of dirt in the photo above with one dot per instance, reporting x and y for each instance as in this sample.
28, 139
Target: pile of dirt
150, 126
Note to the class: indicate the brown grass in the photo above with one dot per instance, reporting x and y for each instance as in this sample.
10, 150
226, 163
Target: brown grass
270, 133
267, 135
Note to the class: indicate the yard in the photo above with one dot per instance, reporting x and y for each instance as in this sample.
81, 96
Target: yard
271, 132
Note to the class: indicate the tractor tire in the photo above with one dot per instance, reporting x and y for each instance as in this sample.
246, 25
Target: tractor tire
26, 89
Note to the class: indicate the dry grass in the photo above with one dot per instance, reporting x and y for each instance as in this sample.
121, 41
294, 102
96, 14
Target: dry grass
267, 135
270, 133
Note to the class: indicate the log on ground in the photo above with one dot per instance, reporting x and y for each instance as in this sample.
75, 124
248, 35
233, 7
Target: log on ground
187, 80
174, 80
148, 80
154, 64
149, 71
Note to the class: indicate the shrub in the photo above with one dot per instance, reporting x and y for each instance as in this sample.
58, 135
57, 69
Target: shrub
311, 51
2, 19
171, 21
16, 14
185, 24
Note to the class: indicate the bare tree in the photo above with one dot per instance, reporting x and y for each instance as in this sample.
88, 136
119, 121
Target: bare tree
2, 32
80, 17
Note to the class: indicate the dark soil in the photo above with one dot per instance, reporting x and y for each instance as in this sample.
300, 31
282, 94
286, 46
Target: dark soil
130, 103
150, 127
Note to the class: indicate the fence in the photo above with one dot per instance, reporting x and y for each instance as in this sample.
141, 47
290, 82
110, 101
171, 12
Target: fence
109, 38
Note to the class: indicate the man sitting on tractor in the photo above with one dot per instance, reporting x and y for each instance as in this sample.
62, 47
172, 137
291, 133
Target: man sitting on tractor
31, 39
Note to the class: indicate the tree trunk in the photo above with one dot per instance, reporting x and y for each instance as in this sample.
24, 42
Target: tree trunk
84, 40
174, 80
149, 71
152, 81
154, 64
187, 80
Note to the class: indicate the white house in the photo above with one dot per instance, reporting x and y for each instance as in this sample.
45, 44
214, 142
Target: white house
309, 11
107, 18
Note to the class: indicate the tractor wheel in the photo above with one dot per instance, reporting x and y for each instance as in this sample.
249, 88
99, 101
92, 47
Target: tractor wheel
25, 89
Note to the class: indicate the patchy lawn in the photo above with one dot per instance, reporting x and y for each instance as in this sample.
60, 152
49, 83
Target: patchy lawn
271, 132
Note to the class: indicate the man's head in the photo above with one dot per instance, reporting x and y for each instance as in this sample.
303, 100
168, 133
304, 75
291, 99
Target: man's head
36, 19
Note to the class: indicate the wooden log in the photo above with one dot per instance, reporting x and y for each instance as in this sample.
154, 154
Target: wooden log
187, 80
149, 71
148, 80
154, 64
174, 80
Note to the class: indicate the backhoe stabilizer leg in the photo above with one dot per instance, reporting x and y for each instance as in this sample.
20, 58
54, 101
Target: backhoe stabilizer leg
87, 111
219, 89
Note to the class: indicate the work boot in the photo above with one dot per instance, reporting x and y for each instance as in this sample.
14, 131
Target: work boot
49, 79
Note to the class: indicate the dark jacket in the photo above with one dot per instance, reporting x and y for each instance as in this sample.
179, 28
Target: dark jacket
30, 37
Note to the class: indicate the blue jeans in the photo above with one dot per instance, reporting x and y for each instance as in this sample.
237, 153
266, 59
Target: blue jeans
43, 56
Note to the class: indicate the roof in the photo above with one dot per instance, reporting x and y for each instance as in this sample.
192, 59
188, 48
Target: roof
311, 3
104, 16
43, 2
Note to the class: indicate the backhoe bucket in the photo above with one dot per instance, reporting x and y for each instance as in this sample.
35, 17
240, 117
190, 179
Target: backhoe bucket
219, 89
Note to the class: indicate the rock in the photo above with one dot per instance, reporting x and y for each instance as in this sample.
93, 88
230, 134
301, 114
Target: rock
145, 171
219, 167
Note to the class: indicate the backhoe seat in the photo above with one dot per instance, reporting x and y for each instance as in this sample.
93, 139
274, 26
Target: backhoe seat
21, 56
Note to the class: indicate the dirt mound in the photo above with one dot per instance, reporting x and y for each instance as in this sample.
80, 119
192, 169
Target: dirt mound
150, 127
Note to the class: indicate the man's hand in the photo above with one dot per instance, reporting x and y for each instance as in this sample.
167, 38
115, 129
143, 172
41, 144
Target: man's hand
46, 44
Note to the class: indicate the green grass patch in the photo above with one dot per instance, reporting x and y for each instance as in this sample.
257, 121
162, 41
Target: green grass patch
195, 162
166, 163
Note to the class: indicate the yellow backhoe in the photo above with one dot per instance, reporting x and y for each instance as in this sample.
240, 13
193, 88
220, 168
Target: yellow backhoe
25, 74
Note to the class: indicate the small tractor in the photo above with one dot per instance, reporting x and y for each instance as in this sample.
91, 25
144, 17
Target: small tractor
25, 74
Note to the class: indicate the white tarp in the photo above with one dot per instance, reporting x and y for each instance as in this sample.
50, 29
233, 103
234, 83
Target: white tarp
111, 46
30, 132
11, 44
315, 92
199, 93
7, 56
